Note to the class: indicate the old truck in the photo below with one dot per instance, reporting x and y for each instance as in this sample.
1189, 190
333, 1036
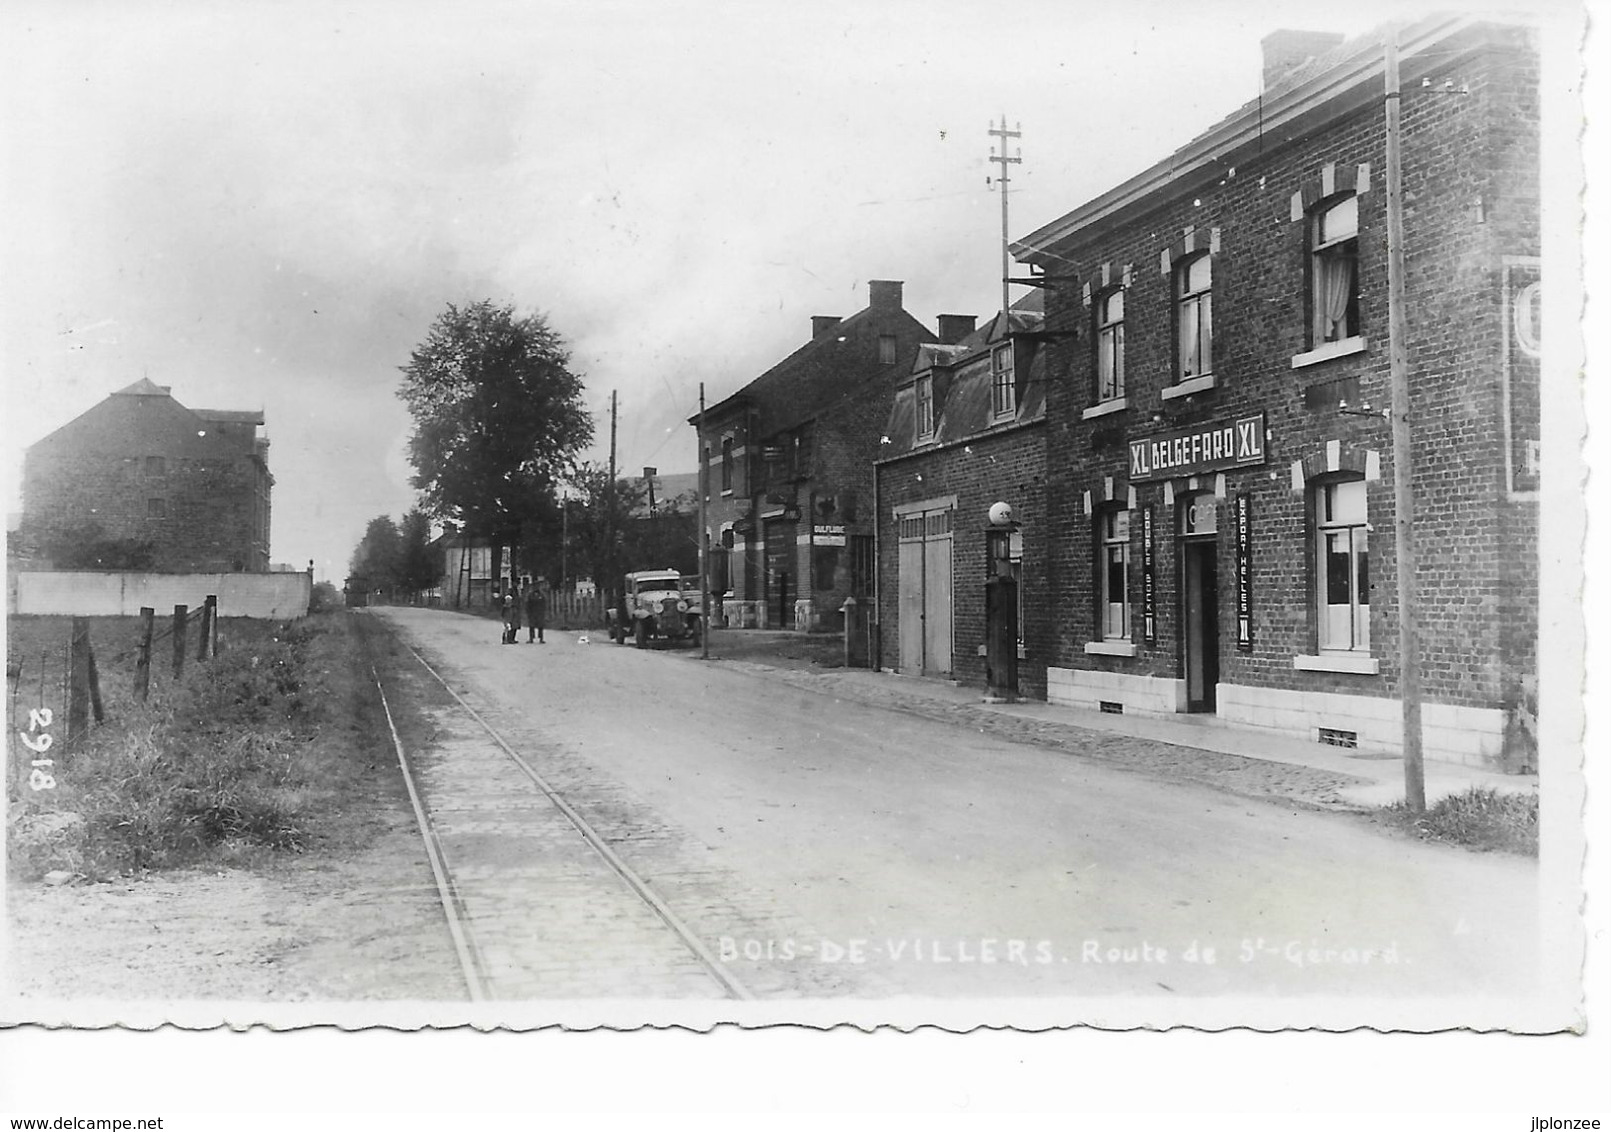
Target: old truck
659, 610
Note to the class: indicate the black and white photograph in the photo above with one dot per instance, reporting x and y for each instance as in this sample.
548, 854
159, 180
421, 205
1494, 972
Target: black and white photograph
1050, 517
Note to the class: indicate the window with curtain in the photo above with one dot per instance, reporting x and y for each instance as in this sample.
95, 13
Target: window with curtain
1110, 346
1194, 317
1334, 271
1342, 566
1113, 574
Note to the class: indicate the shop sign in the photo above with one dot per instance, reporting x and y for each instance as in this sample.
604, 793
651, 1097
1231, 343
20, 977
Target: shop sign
1149, 584
828, 534
1244, 572
1208, 447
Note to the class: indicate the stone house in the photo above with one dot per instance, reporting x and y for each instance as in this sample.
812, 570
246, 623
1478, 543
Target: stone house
190, 487
789, 466
1219, 478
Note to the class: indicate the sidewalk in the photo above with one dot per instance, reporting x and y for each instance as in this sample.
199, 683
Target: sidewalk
1200, 748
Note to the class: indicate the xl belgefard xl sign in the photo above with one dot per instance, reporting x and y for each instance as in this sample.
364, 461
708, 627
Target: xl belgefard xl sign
1208, 447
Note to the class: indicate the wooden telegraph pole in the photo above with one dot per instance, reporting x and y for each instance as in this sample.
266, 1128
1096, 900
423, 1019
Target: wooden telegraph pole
1409, 652
1003, 179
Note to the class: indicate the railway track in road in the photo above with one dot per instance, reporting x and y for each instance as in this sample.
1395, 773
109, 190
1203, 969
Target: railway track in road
537, 901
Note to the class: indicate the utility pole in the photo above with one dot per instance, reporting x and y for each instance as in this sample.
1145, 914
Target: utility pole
1003, 180
609, 519
1409, 645
702, 485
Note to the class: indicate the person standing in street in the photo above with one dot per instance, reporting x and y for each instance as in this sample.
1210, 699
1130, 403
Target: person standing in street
511, 616
534, 611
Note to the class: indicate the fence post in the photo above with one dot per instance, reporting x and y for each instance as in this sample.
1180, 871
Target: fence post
205, 637
94, 681
142, 666
78, 679
181, 614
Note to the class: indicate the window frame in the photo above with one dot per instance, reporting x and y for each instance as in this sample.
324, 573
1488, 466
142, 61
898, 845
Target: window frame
1198, 302
1003, 390
888, 349
1107, 541
1108, 331
727, 465
1322, 251
923, 407
1357, 578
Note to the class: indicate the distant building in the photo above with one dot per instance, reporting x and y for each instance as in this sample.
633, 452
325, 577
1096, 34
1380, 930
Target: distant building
176, 490
789, 461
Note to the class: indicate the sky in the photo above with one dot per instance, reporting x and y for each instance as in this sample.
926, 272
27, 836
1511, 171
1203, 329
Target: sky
265, 205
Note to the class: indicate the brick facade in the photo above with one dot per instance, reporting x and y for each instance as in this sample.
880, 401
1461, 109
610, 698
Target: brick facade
970, 460
1246, 194
800, 441
140, 466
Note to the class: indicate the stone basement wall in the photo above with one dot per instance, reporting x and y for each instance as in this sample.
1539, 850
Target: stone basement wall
1009, 466
1468, 165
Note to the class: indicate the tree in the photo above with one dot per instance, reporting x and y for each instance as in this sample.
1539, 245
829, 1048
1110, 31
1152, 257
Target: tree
378, 557
498, 420
417, 570
598, 523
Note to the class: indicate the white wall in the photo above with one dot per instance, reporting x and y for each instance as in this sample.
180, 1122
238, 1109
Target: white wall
87, 594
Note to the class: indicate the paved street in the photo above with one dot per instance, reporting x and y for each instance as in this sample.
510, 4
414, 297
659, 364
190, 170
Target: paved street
828, 846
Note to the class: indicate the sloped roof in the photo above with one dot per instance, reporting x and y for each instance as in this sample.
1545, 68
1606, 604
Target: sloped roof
1317, 91
810, 379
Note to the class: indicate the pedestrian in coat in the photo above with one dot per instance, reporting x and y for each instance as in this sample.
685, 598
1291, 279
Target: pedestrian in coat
511, 617
534, 612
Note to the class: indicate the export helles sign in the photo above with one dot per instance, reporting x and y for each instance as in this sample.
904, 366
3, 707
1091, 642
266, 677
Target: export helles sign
1209, 447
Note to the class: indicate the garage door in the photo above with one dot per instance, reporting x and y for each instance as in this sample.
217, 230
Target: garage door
924, 605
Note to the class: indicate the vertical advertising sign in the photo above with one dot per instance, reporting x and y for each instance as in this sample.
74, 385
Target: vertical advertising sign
1244, 573
1149, 590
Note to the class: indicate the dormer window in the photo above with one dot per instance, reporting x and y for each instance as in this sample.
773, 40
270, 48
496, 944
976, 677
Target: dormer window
1003, 394
924, 393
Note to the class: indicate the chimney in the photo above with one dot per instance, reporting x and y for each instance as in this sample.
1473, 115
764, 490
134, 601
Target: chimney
955, 327
884, 293
1287, 50
822, 322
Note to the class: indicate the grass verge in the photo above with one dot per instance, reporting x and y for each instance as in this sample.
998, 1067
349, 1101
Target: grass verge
252, 753
1481, 818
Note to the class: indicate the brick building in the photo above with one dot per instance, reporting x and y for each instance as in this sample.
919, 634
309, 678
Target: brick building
1219, 468
189, 486
967, 431
789, 461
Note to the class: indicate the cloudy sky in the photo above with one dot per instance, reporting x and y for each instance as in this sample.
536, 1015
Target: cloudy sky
264, 205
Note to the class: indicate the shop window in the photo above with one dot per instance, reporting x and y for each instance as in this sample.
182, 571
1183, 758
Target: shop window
1113, 574
1003, 394
1110, 346
925, 407
1194, 318
1334, 271
1342, 566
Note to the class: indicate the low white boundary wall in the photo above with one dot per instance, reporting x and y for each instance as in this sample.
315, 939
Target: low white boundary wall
88, 594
